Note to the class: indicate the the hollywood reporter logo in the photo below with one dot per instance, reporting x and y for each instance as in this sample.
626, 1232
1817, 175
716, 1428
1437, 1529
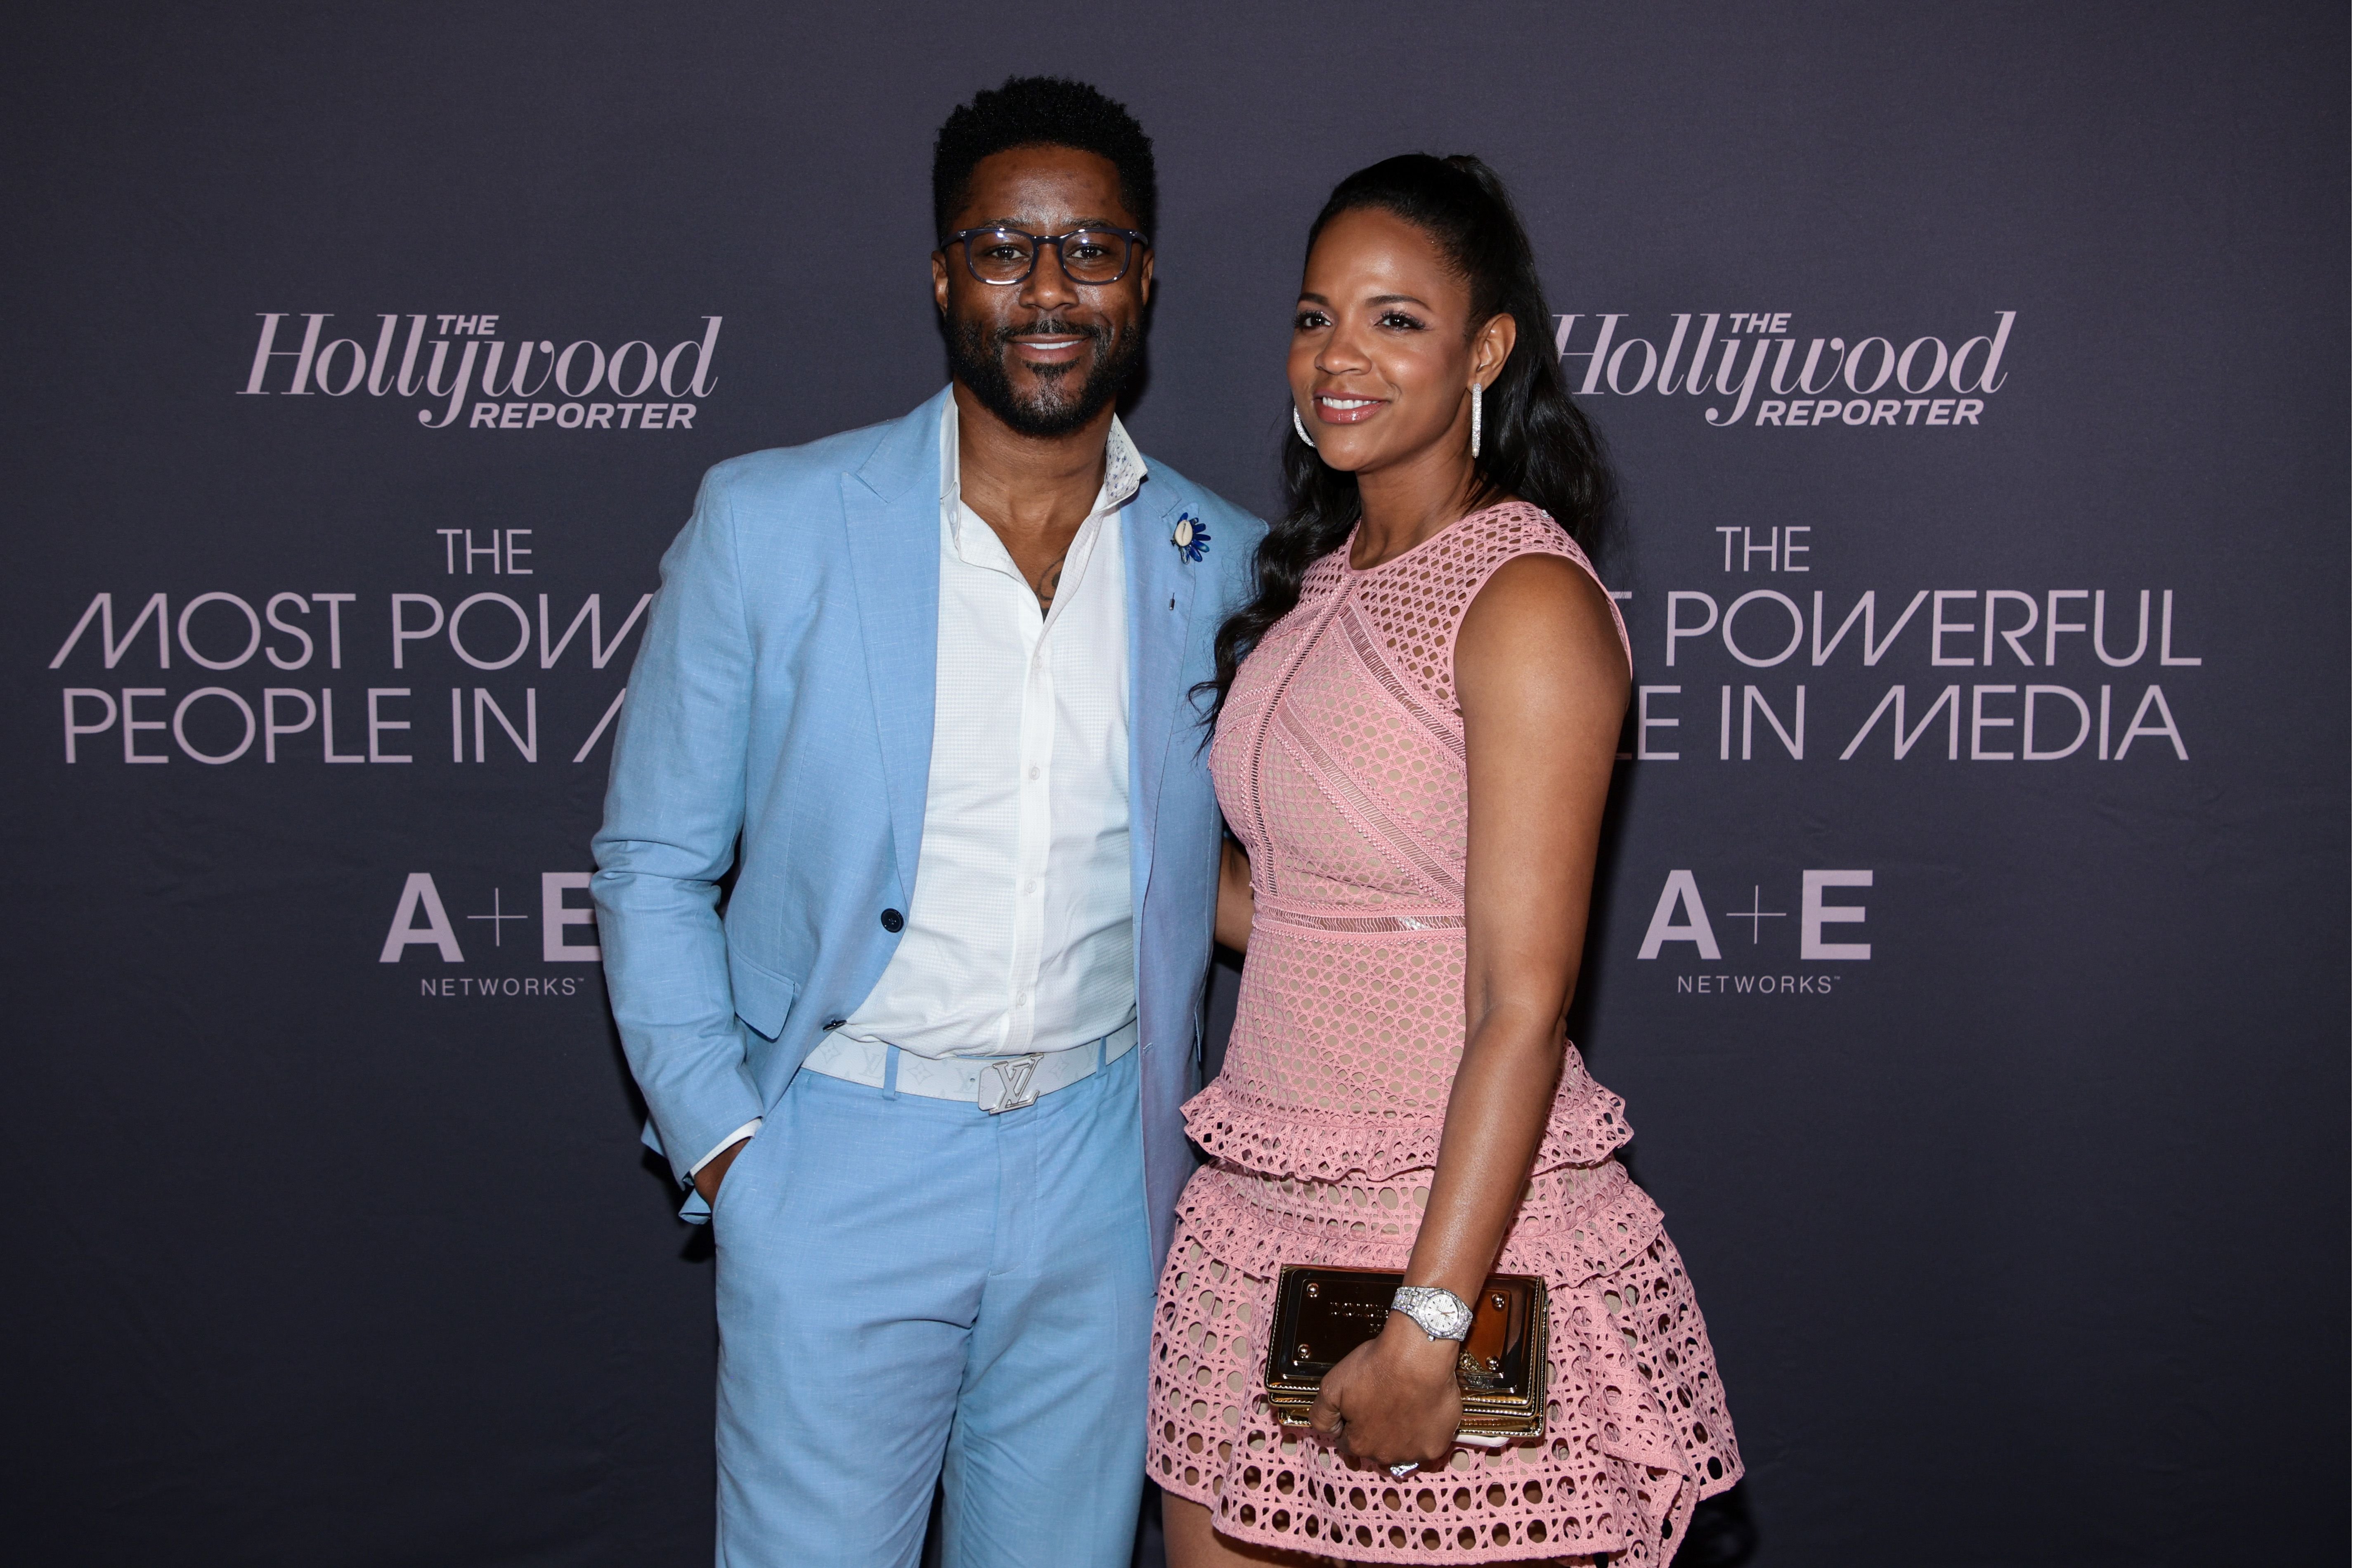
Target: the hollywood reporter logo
1868, 380
582, 385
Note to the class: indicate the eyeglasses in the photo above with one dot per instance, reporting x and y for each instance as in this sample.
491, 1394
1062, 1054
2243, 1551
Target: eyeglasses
1007, 256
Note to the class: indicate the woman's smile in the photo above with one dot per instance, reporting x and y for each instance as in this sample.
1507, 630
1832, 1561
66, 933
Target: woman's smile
1334, 408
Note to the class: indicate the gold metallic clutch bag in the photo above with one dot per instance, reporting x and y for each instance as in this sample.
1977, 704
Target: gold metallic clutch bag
1321, 1314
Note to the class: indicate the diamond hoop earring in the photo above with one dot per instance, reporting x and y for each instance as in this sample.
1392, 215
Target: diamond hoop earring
1301, 426
1474, 419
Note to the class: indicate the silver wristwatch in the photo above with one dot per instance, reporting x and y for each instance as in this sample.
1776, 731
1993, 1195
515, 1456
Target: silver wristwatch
1442, 1314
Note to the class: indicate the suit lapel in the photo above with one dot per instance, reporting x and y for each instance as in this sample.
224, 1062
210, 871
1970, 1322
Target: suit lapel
1159, 612
890, 507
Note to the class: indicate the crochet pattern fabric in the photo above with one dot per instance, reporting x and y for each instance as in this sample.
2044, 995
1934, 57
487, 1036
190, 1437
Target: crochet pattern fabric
1339, 761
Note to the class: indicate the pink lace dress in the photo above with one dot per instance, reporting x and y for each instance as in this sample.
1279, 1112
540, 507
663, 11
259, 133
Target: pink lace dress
1339, 761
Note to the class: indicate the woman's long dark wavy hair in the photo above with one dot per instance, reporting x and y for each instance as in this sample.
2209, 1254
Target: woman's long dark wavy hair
1536, 444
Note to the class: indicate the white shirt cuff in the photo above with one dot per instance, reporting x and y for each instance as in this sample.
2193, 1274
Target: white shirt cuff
723, 1145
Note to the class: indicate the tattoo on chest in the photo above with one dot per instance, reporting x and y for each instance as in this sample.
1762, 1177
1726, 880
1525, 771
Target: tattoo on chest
1050, 580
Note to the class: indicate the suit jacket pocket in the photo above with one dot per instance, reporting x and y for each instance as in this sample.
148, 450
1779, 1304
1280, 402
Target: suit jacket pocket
762, 999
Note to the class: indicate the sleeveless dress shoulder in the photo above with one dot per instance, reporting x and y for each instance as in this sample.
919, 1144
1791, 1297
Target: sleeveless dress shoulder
1340, 764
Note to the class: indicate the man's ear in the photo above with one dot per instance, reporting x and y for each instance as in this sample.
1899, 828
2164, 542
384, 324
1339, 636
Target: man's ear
940, 281
1146, 293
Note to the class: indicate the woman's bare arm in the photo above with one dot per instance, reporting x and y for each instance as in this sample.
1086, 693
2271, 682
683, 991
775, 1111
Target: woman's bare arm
1234, 902
1542, 683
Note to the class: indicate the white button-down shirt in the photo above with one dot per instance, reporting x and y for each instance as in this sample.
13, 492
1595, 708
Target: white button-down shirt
1020, 933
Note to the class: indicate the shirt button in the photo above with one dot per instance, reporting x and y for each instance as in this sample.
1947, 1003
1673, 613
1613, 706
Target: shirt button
892, 920
1033, 770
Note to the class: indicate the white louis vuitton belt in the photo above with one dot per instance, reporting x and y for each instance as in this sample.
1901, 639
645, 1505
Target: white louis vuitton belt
993, 1083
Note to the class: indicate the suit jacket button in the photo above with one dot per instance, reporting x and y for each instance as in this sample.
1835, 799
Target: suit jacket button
892, 920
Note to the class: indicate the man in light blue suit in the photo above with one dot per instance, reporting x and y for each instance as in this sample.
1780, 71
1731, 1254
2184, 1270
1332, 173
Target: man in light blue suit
926, 689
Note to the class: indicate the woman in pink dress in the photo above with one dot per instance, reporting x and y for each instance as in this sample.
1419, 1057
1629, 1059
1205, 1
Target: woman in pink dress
1418, 718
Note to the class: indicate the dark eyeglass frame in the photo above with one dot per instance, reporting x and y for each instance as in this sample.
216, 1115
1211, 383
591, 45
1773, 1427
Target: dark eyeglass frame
963, 239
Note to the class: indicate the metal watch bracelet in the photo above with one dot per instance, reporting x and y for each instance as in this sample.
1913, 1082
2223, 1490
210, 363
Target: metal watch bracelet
1438, 1312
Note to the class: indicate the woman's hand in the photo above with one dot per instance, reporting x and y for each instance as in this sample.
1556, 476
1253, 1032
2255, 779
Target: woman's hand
1393, 1400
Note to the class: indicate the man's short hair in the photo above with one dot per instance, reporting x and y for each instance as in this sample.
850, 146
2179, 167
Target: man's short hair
1042, 111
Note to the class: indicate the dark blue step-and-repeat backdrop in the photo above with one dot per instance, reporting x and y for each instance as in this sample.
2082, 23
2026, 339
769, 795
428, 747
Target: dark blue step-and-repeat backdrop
1972, 948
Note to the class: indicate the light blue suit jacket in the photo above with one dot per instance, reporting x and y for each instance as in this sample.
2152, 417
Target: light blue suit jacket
779, 722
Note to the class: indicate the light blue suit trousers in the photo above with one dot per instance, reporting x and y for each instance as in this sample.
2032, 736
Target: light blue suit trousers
907, 1283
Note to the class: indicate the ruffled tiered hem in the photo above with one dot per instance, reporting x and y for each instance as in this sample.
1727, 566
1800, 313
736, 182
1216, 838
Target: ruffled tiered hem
1635, 1432
1612, 1223
1230, 1123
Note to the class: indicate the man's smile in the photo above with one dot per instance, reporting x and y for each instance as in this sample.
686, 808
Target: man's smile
1045, 348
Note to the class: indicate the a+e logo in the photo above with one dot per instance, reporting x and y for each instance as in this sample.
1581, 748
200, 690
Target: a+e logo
1682, 916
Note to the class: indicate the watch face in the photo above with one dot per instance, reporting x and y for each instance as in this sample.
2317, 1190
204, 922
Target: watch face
1442, 1314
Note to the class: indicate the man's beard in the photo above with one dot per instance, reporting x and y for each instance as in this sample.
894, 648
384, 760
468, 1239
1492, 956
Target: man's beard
977, 355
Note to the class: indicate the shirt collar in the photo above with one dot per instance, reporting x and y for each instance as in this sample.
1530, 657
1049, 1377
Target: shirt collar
1123, 468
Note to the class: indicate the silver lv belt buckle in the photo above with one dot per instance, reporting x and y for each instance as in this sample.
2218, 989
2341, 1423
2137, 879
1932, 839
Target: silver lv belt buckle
1009, 1084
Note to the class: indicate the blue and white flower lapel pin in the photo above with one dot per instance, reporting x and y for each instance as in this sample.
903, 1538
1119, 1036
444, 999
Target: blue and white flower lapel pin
1191, 540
